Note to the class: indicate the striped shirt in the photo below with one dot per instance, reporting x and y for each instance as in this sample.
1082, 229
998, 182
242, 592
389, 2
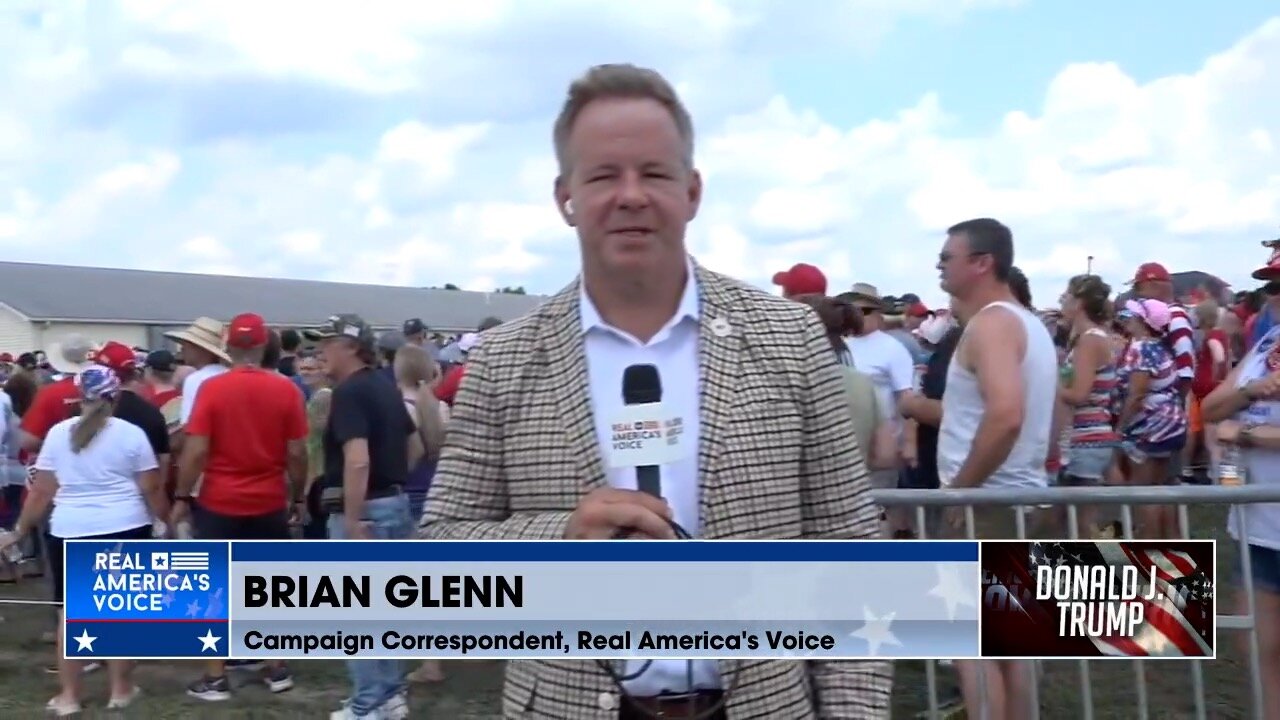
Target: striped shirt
1181, 336
1091, 421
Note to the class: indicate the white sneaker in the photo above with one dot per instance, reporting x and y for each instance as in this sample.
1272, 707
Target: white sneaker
397, 708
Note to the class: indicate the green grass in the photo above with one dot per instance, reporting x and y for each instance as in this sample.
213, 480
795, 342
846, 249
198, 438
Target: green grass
472, 688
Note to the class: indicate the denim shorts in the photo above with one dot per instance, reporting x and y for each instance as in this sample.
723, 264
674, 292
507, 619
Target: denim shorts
1087, 465
1139, 451
1265, 563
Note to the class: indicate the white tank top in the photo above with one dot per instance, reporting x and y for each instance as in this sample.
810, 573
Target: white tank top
962, 411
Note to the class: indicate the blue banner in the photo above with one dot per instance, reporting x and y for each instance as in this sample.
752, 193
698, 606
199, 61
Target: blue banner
519, 599
147, 599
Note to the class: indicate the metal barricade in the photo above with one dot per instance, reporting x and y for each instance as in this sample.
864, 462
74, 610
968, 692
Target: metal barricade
1024, 500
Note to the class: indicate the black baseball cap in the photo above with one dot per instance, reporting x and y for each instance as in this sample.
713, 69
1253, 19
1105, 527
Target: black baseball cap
161, 361
344, 325
413, 326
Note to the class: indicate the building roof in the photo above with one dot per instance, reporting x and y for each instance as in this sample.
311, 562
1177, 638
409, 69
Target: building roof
1184, 283
68, 293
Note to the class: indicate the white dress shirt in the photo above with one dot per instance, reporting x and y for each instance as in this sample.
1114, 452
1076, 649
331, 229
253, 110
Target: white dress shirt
674, 351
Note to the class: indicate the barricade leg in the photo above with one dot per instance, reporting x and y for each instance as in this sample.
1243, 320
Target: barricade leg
1251, 610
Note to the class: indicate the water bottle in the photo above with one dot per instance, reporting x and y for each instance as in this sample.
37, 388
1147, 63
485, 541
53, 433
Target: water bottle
1231, 468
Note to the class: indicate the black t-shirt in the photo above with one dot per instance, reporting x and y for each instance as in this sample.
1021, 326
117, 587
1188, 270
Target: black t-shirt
367, 406
286, 366
136, 411
932, 385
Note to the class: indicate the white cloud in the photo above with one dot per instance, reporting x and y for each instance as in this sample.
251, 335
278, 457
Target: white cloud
302, 242
411, 145
205, 247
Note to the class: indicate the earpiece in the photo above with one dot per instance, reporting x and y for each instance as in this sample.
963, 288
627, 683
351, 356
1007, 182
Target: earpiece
568, 207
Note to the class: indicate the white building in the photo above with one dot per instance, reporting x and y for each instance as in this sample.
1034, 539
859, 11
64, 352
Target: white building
41, 303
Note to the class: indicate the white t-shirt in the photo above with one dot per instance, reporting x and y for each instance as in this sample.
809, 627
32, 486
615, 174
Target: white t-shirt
98, 489
192, 384
889, 365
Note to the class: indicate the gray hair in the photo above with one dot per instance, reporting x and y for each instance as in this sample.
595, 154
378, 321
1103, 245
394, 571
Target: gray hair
246, 356
620, 81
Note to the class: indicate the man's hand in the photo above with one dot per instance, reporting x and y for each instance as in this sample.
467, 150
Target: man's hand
909, 454
179, 513
356, 529
605, 511
298, 514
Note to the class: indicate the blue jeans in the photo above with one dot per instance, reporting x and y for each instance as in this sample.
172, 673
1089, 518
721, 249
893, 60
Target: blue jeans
374, 682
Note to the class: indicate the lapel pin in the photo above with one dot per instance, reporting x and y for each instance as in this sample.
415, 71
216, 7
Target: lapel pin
721, 327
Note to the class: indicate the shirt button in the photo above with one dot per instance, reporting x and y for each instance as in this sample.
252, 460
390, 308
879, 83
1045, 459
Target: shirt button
607, 701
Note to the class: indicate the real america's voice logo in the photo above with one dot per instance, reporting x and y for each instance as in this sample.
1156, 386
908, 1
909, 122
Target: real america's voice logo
146, 582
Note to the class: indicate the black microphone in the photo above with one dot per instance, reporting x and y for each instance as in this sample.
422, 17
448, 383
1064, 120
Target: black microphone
642, 385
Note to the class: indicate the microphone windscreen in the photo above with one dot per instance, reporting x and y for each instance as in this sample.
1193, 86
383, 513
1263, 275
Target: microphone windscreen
641, 384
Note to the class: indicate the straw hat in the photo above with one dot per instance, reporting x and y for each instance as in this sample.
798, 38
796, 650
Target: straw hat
206, 334
71, 354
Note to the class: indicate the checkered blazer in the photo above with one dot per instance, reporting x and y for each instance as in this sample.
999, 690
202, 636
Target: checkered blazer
778, 460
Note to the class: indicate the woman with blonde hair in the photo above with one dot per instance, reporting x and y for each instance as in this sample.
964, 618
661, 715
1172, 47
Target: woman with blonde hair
416, 372
101, 476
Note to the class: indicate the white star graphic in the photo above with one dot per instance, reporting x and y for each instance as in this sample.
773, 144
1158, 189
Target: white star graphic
84, 641
209, 641
953, 590
876, 631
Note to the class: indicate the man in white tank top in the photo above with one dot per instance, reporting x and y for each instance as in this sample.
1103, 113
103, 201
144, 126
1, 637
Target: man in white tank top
997, 415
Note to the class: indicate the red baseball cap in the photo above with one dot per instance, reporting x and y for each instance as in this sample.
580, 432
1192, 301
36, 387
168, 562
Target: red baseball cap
116, 356
247, 331
1150, 272
801, 279
1271, 270
6, 357
918, 310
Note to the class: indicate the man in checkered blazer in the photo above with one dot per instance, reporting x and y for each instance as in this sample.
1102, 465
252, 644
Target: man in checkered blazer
775, 453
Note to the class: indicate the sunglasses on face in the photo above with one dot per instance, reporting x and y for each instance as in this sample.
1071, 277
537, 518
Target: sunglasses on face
945, 257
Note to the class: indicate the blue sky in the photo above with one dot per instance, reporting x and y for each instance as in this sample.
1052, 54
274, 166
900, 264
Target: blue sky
410, 145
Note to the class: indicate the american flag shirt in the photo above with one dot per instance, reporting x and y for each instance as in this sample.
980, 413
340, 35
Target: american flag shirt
1181, 337
1161, 413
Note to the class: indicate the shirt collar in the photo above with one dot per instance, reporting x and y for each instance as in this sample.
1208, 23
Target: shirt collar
688, 309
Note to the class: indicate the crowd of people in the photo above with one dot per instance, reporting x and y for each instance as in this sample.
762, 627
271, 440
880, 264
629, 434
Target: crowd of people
108, 441
805, 403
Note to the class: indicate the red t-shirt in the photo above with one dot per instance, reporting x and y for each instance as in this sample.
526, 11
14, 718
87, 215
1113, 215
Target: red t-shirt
53, 403
249, 416
447, 389
1206, 379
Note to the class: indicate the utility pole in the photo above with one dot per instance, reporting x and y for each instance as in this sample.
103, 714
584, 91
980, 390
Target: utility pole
1089, 267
